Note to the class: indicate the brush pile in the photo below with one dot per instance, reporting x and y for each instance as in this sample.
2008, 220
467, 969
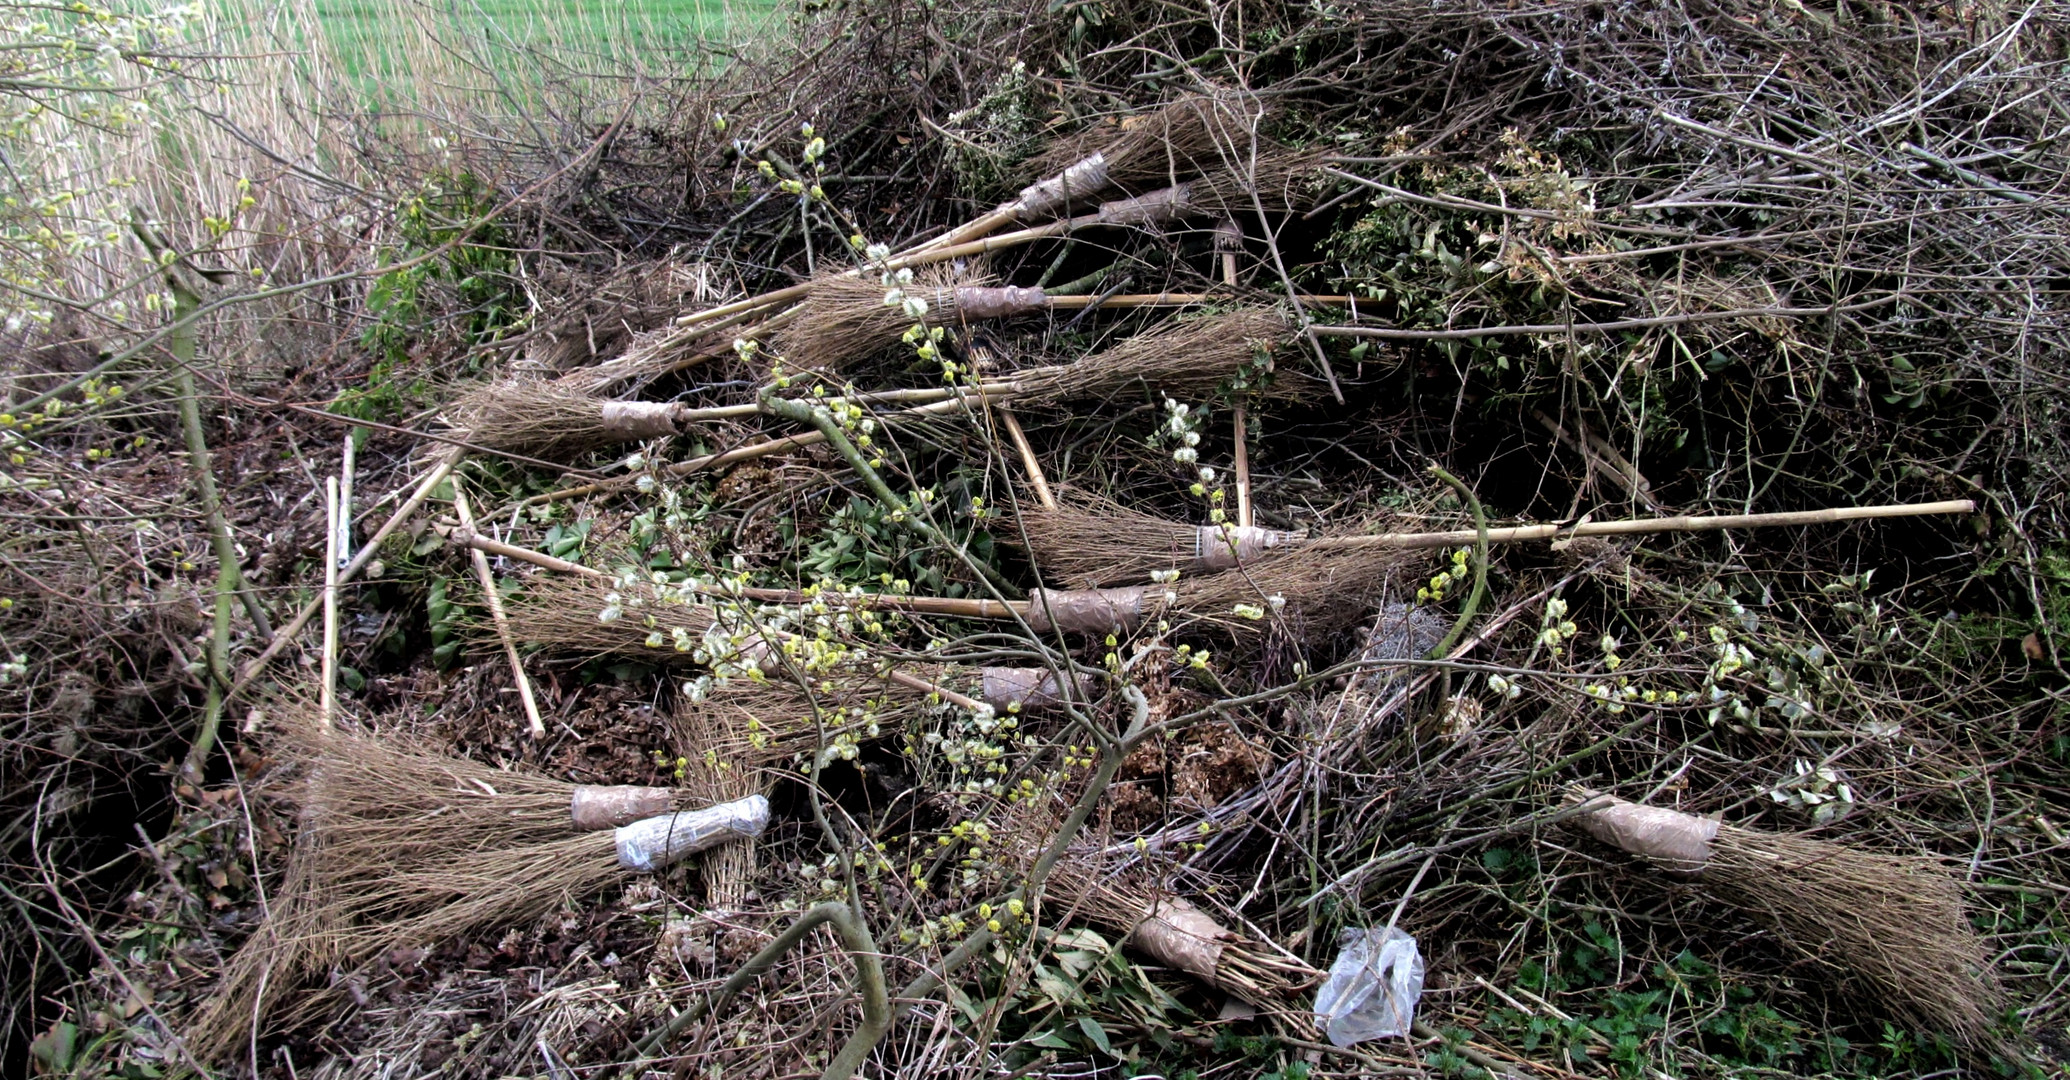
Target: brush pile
1126, 497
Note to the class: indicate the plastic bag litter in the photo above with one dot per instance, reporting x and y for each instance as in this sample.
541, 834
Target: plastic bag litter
1373, 987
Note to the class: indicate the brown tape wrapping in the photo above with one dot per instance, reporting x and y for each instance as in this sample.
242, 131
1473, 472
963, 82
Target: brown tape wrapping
1670, 838
1085, 611
594, 806
631, 421
1225, 547
1179, 935
996, 302
1030, 688
1083, 178
1164, 204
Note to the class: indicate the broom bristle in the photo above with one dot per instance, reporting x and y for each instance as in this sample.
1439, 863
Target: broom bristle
1280, 179
1893, 922
1086, 541
548, 418
1186, 356
400, 846
845, 319
1179, 140
593, 616
1316, 593
1123, 903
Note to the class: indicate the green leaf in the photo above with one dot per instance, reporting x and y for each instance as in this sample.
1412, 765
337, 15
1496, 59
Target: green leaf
351, 679
1049, 1040
1096, 1033
54, 1048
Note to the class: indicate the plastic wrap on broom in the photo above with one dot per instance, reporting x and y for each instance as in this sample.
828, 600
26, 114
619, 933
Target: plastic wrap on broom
656, 842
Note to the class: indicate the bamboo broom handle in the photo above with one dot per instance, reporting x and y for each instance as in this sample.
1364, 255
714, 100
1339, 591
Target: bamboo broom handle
1642, 526
358, 563
918, 394
1135, 300
329, 696
1012, 424
1243, 470
494, 599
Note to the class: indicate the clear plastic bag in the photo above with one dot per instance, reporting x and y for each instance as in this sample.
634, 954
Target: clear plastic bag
1372, 989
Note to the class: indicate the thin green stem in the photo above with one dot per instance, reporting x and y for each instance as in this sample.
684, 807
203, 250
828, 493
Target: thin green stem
1480, 563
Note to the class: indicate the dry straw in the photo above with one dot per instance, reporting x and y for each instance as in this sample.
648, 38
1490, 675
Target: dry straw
1891, 924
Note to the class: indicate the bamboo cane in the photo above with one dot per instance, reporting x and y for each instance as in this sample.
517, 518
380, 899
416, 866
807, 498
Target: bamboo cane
359, 562
1087, 541
494, 601
1036, 480
329, 696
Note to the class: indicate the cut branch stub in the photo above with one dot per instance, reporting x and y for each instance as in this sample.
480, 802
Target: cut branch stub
594, 807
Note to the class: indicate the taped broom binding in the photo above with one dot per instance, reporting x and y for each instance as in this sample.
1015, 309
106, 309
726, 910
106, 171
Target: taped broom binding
1166, 927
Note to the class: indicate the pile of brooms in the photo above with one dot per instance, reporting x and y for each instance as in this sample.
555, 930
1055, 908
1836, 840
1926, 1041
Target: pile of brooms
402, 847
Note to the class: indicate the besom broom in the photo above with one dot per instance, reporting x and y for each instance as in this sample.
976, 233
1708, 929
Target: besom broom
1891, 924
552, 419
1085, 540
1197, 355
846, 318
1184, 138
401, 847
1156, 922
1278, 181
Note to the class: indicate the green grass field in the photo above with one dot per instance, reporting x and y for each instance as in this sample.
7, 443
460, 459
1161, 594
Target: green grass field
386, 39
